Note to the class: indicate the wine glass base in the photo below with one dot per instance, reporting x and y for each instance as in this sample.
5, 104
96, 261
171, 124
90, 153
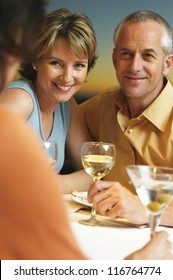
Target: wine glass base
89, 222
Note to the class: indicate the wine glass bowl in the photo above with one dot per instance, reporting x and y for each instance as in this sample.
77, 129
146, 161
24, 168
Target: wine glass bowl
98, 159
154, 186
51, 149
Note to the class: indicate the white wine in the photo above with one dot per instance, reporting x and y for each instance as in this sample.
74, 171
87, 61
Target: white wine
97, 158
97, 166
155, 198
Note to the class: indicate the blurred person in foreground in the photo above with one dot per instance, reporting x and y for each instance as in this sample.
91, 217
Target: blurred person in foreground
64, 52
136, 115
32, 217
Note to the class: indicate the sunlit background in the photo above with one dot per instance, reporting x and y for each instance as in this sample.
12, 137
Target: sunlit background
105, 15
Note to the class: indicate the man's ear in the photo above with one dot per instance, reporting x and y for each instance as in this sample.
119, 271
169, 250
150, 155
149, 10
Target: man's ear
168, 64
114, 57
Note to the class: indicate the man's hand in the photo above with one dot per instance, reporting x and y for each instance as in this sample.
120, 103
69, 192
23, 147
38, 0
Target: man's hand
113, 200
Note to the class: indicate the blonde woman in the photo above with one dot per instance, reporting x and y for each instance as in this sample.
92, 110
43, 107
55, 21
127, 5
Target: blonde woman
63, 54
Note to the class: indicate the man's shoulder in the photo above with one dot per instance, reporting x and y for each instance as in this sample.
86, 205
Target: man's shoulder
105, 96
109, 93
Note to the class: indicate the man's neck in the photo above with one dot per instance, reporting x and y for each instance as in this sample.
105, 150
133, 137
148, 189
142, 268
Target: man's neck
137, 105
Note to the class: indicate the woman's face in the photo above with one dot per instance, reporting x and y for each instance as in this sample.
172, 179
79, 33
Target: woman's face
60, 74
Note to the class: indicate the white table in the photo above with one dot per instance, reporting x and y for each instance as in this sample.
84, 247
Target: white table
106, 242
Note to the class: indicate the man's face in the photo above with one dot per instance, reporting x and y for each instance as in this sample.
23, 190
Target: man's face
139, 59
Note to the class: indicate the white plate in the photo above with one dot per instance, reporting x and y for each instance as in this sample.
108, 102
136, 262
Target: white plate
81, 197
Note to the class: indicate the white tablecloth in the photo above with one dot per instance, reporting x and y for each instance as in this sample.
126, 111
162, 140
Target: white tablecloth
106, 242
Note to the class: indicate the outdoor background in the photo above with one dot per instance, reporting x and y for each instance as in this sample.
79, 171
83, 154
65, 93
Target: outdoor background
105, 15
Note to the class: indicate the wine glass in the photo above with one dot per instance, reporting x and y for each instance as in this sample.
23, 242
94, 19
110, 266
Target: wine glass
154, 186
51, 149
98, 159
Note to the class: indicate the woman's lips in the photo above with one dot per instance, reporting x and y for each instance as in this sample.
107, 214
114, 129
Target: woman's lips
63, 88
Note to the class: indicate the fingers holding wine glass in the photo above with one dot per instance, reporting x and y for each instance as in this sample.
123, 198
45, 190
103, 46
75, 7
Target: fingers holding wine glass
113, 200
158, 248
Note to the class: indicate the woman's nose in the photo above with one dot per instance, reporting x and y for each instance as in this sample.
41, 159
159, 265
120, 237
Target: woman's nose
67, 75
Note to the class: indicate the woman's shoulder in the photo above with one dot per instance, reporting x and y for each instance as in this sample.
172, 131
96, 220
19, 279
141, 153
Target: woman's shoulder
22, 84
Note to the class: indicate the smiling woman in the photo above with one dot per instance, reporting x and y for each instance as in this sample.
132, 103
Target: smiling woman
63, 54
64, 71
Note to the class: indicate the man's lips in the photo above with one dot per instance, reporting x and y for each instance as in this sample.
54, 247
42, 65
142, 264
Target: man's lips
135, 78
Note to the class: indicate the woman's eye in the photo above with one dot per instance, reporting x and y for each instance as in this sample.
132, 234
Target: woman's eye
80, 65
56, 63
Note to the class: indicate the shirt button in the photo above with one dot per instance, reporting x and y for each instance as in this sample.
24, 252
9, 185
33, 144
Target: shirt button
130, 131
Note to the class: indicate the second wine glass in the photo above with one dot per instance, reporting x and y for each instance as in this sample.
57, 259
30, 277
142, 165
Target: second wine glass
98, 159
154, 186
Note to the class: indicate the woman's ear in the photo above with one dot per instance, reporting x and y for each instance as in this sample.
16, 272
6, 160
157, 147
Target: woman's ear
34, 65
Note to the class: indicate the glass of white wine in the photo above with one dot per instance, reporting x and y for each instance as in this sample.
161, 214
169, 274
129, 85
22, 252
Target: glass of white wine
51, 149
98, 159
154, 186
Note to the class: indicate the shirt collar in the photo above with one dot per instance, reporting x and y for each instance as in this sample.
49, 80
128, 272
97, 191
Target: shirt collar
159, 110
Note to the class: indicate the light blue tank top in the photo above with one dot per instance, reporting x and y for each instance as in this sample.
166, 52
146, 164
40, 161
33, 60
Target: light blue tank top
61, 120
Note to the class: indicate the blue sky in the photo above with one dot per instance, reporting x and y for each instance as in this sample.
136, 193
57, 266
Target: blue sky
105, 15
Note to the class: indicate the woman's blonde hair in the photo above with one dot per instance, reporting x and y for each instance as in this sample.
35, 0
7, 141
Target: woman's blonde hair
76, 28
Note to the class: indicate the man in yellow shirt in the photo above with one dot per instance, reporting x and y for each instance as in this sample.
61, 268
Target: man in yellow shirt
33, 221
137, 115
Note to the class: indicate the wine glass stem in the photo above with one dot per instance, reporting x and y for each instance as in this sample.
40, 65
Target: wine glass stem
93, 211
154, 222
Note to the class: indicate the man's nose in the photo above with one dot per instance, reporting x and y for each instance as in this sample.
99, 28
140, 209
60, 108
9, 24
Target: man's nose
136, 63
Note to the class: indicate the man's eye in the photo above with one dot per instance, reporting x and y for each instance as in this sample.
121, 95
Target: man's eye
125, 55
148, 56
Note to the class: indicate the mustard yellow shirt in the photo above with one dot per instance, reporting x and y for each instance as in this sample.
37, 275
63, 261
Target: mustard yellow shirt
147, 139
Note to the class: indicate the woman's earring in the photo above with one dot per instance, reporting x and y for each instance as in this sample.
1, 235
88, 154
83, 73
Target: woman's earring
34, 67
